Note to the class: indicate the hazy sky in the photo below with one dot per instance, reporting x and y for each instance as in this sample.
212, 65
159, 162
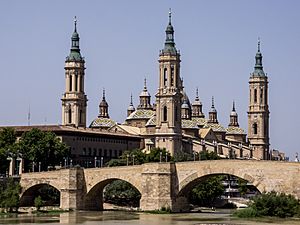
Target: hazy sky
120, 41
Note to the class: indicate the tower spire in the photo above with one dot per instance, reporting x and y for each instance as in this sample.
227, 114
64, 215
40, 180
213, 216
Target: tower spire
233, 120
75, 24
169, 43
75, 50
103, 95
213, 117
258, 68
145, 84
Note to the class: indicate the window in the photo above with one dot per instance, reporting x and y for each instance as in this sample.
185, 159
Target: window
84, 151
255, 128
165, 113
165, 76
70, 83
172, 76
70, 115
255, 95
80, 116
261, 95
76, 81
176, 114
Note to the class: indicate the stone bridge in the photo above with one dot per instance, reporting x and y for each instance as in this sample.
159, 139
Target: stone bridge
160, 184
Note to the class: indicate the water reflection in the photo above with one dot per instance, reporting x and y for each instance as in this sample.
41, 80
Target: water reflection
126, 218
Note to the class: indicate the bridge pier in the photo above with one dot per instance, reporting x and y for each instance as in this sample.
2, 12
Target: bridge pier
72, 194
156, 188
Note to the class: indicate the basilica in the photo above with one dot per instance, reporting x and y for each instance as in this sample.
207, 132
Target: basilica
173, 121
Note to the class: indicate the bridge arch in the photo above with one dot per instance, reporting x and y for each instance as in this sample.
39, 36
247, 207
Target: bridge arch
30, 193
93, 199
192, 180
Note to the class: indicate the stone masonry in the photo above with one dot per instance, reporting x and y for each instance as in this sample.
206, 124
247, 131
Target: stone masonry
160, 184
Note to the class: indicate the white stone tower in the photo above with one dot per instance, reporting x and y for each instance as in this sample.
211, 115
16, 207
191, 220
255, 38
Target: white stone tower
74, 100
168, 98
258, 114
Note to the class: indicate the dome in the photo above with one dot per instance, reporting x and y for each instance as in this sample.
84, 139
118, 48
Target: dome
103, 103
102, 123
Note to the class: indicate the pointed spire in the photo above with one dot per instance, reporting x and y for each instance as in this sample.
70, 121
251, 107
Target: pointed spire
258, 68
103, 107
75, 24
145, 84
169, 43
75, 50
197, 95
213, 118
103, 95
233, 122
131, 102
170, 16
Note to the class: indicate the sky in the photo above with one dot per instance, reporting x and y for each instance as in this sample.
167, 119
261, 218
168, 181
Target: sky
120, 41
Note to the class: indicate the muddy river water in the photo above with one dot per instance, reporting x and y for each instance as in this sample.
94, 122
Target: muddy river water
132, 218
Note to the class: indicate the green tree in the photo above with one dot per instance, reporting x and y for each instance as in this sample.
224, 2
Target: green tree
157, 153
205, 193
38, 203
45, 147
205, 155
122, 193
9, 195
242, 186
7, 145
272, 204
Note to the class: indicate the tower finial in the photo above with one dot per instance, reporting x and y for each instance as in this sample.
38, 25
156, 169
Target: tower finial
75, 23
233, 106
131, 103
197, 94
258, 44
103, 95
170, 15
212, 102
145, 84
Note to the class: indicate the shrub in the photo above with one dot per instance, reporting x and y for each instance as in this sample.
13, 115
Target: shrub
38, 203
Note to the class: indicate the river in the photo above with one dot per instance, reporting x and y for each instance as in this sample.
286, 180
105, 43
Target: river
131, 218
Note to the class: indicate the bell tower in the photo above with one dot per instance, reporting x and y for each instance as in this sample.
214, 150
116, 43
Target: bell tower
168, 98
74, 100
258, 114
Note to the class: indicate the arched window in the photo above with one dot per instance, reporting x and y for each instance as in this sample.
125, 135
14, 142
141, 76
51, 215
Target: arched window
80, 116
176, 114
172, 76
255, 128
70, 83
165, 76
70, 115
261, 95
76, 81
165, 113
255, 95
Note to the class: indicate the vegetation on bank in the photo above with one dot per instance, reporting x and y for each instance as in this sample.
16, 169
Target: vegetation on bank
34, 146
271, 204
9, 196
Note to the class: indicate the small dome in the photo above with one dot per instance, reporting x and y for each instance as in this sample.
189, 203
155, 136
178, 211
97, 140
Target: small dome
233, 113
131, 108
145, 93
103, 103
